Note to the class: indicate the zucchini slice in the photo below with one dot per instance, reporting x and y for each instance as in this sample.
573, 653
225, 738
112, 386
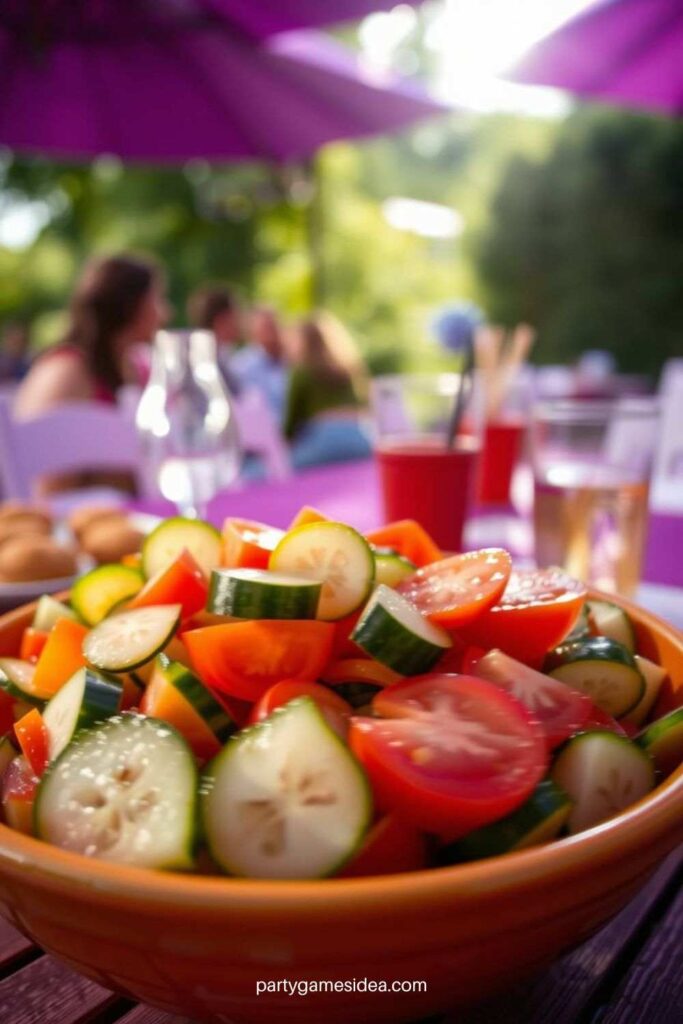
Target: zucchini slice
603, 774
48, 610
285, 798
84, 700
97, 593
334, 554
663, 741
538, 820
654, 676
261, 594
602, 668
393, 631
390, 567
123, 791
16, 679
177, 696
175, 535
608, 619
131, 639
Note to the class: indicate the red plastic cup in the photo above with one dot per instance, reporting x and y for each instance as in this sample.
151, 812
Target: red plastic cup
422, 479
501, 450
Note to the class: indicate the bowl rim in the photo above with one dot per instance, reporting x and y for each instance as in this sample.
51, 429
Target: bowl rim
48, 865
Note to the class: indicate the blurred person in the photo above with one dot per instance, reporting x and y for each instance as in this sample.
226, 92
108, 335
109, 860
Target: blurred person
326, 389
14, 352
215, 308
262, 363
118, 302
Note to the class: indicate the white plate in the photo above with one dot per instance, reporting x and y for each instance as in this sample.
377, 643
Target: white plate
31, 590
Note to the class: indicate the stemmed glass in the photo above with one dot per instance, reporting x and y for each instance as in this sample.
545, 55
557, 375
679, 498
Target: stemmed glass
186, 422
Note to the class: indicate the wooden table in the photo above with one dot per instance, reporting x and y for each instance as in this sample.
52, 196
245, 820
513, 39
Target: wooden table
629, 973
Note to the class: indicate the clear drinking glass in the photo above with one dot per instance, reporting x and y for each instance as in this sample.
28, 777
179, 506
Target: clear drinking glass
592, 462
186, 422
421, 476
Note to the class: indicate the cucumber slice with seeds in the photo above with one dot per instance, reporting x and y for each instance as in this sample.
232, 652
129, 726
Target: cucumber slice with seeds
537, 821
84, 700
285, 798
16, 679
48, 611
334, 554
131, 639
261, 594
602, 668
393, 631
97, 593
124, 791
663, 741
175, 535
610, 620
390, 567
603, 774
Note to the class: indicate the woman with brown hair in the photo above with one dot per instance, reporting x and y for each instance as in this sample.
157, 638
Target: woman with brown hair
326, 390
118, 302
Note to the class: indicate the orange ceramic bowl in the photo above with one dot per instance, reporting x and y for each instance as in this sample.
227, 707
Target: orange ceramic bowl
200, 945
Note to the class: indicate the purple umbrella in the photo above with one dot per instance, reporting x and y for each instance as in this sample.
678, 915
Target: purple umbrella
626, 51
150, 87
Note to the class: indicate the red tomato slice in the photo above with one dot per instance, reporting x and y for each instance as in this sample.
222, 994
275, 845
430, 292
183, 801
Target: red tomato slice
182, 582
343, 646
6, 713
560, 709
361, 670
248, 544
244, 659
32, 738
600, 719
537, 610
457, 590
32, 643
391, 846
336, 710
409, 539
19, 786
450, 753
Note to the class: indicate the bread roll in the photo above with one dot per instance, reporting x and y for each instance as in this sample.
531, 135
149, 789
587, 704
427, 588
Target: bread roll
25, 524
11, 510
82, 518
35, 558
110, 539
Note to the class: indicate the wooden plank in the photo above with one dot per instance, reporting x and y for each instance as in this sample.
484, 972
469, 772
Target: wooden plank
13, 947
652, 992
45, 992
564, 992
148, 1015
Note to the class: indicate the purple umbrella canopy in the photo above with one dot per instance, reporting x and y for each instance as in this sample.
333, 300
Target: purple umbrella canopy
169, 80
628, 52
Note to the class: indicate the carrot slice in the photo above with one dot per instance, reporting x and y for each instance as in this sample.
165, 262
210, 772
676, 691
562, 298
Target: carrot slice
308, 514
61, 656
32, 738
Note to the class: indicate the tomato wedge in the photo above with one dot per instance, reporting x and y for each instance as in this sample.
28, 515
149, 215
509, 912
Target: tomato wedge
61, 656
182, 582
407, 538
32, 738
457, 590
336, 711
537, 610
32, 643
391, 846
560, 709
6, 713
248, 544
307, 514
244, 659
449, 753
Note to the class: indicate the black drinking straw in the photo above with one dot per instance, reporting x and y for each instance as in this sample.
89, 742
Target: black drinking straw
461, 397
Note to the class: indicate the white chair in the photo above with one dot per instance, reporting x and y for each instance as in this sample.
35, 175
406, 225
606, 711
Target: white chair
666, 492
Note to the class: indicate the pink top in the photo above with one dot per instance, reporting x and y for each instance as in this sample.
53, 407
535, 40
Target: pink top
101, 391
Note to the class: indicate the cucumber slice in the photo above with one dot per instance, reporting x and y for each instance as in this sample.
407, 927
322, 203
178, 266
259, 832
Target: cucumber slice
602, 668
48, 611
131, 639
654, 676
612, 621
261, 594
393, 631
336, 555
176, 535
603, 774
16, 679
84, 700
285, 798
97, 593
537, 821
390, 567
581, 629
124, 791
663, 741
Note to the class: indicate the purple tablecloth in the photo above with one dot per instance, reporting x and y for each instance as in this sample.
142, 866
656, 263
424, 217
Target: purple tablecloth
350, 492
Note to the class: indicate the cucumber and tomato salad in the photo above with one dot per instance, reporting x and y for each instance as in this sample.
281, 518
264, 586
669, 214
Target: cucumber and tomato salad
314, 701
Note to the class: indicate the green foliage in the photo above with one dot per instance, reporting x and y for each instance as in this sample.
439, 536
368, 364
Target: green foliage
587, 244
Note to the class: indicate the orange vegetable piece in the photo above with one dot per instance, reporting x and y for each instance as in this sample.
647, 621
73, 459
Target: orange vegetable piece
409, 539
61, 656
32, 738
